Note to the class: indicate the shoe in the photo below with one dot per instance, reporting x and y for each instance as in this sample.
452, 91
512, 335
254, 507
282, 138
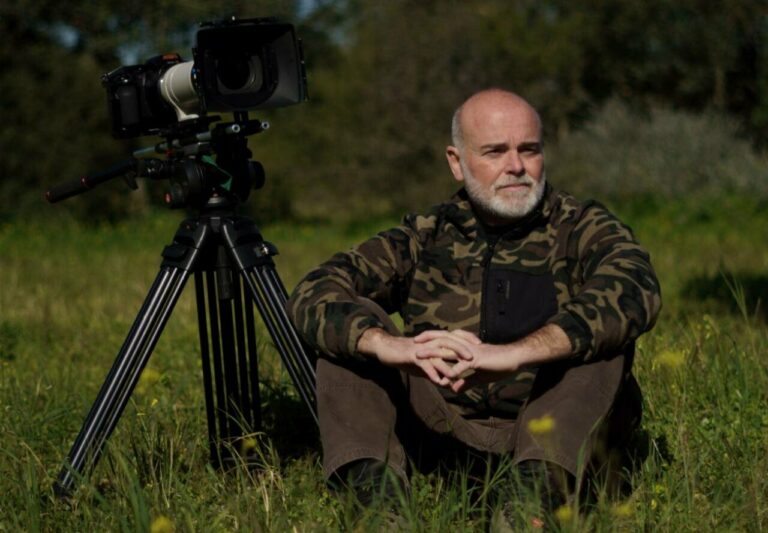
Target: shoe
371, 481
535, 480
548, 481
507, 519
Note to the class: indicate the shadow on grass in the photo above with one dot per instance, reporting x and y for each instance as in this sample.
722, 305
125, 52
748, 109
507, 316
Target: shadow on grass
734, 292
9, 340
287, 421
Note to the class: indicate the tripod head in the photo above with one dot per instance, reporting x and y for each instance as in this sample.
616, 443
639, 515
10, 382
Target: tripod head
195, 179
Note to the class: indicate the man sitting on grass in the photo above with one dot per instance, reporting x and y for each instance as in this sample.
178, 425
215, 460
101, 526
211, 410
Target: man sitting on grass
520, 307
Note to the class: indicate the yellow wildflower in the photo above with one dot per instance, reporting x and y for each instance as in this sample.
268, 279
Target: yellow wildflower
149, 377
669, 359
161, 524
247, 445
710, 327
624, 510
699, 498
541, 426
564, 513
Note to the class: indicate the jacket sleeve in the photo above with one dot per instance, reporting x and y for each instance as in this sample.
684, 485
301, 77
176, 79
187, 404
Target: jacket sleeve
323, 306
619, 296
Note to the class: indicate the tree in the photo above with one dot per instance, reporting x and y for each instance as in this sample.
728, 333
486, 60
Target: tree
55, 124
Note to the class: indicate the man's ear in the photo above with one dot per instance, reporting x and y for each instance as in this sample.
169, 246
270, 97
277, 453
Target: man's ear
453, 156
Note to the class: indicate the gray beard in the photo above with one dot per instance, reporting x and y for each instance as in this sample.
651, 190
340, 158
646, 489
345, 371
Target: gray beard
507, 209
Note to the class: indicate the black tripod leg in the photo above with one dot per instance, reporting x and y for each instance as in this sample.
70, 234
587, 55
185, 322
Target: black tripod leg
271, 305
230, 371
134, 354
122, 377
253, 258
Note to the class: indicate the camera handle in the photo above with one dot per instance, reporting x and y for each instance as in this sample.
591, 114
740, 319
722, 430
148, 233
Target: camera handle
128, 169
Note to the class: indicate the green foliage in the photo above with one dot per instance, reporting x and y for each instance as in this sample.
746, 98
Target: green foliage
55, 126
50, 116
371, 138
663, 153
71, 291
384, 79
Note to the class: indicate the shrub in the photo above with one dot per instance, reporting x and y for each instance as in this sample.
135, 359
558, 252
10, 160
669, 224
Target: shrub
622, 154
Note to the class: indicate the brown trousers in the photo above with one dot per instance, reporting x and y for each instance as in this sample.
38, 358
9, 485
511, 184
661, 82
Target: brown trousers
367, 410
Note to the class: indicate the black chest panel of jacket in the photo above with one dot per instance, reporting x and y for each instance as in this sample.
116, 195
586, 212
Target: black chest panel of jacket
515, 303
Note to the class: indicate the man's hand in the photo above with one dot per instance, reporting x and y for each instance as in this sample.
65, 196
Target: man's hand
480, 362
459, 359
400, 352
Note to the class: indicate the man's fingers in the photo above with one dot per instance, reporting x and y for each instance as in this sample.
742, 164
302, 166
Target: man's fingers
443, 368
468, 336
461, 370
430, 352
459, 346
433, 334
447, 354
444, 348
429, 369
458, 386
429, 335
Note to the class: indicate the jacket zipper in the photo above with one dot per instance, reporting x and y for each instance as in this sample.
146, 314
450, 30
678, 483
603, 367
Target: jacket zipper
485, 263
485, 389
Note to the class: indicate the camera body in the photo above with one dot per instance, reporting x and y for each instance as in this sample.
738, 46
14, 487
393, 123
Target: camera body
238, 65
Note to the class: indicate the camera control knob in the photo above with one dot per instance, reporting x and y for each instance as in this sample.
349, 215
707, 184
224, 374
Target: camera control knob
176, 196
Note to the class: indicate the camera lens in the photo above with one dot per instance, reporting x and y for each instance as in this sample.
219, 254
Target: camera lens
238, 74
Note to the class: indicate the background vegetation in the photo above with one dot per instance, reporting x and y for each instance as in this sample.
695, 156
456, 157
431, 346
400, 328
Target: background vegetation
657, 108
384, 78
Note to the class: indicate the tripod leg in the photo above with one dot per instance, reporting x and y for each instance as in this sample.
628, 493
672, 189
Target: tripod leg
179, 257
122, 377
264, 281
254, 260
229, 354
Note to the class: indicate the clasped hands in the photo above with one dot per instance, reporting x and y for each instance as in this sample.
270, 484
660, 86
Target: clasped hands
454, 359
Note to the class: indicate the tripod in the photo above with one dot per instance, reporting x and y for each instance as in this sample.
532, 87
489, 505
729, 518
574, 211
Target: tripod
233, 270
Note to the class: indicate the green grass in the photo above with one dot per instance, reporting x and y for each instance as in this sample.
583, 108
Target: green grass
68, 295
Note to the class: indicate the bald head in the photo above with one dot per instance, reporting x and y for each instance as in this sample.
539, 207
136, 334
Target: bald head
481, 106
497, 154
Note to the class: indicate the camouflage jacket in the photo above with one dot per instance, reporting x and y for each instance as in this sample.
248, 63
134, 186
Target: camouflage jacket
568, 263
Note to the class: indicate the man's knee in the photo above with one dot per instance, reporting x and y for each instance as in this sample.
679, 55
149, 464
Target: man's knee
564, 419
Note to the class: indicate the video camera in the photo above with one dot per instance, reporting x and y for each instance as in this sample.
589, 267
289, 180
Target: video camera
238, 65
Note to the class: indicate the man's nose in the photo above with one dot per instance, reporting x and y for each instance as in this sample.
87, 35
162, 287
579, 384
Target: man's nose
514, 164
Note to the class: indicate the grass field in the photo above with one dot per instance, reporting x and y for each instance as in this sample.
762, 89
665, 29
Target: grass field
68, 295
